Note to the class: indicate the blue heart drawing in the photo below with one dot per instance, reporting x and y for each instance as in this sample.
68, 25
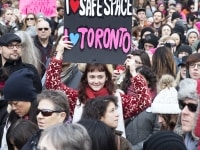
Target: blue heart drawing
74, 38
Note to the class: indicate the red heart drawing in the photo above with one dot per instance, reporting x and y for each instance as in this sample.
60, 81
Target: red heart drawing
74, 4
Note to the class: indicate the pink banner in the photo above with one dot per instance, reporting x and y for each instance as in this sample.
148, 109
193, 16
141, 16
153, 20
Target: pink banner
47, 7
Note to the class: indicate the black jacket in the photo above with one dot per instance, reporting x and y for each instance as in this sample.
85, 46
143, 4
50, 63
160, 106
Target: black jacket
32, 143
13, 66
3, 117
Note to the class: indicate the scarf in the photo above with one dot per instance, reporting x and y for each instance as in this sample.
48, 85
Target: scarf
93, 94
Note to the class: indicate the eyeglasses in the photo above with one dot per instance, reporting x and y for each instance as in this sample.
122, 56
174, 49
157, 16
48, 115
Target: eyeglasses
191, 107
193, 65
191, 7
40, 29
30, 19
47, 112
12, 46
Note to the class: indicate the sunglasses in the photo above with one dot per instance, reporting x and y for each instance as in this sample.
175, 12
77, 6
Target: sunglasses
191, 107
40, 29
170, 45
30, 19
46, 112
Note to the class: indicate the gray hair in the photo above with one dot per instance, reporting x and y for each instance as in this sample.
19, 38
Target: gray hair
188, 89
58, 99
30, 54
68, 137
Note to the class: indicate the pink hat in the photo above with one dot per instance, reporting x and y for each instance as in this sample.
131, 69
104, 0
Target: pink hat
160, 3
197, 24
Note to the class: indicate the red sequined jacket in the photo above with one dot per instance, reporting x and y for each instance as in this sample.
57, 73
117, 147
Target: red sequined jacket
132, 104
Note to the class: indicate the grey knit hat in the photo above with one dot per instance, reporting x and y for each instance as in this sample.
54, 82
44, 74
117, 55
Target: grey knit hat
188, 89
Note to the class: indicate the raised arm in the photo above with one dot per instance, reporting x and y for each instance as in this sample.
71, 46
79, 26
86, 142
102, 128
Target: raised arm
139, 97
135, 103
53, 79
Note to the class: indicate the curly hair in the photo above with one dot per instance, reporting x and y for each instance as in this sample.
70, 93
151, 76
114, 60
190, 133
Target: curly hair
96, 108
148, 74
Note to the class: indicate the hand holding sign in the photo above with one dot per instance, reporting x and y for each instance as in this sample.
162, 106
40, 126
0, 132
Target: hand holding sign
61, 45
100, 30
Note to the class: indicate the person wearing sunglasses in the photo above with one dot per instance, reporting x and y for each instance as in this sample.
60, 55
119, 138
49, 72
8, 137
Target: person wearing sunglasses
52, 109
188, 103
196, 130
29, 24
43, 40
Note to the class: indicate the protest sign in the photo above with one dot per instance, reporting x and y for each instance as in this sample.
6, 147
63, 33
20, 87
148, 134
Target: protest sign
100, 30
47, 7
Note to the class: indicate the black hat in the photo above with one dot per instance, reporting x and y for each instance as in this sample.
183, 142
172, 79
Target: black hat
7, 38
175, 15
140, 9
183, 61
19, 86
179, 27
145, 29
184, 48
164, 140
152, 39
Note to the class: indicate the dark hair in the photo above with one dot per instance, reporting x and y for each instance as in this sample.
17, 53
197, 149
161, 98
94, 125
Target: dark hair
162, 15
57, 98
109, 84
60, 8
13, 117
3, 74
20, 132
102, 136
190, 17
143, 56
180, 36
145, 61
193, 58
170, 120
3, 77
96, 108
160, 31
149, 75
163, 62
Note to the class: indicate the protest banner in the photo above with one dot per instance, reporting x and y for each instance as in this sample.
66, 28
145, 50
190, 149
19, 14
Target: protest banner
47, 7
100, 30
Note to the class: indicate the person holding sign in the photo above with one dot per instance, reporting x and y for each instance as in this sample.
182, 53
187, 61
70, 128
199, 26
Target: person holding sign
97, 81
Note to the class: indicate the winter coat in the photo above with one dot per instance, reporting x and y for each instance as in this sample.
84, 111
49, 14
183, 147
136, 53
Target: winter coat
141, 127
131, 104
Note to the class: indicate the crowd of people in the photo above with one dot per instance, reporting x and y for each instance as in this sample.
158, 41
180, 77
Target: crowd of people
151, 102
